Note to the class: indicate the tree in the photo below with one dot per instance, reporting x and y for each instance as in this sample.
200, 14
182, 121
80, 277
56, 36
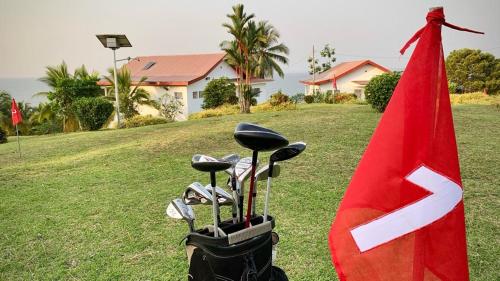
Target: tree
67, 88
328, 58
473, 70
170, 107
217, 92
379, 90
131, 96
5, 114
254, 51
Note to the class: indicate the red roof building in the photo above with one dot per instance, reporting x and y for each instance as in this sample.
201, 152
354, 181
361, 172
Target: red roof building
351, 77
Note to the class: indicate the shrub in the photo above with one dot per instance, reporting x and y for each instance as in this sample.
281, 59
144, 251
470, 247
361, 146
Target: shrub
474, 98
278, 98
329, 97
319, 97
297, 98
380, 88
345, 98
309, 99
217, 92
144, 120
267, 106
225, 109
170, 107
92, 112
3, 136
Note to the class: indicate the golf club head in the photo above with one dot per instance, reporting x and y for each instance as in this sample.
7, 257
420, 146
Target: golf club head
206, 163
223, 197
178, 210
287, 152
233, 159
243, 169
262, 174
196, 194
258, 138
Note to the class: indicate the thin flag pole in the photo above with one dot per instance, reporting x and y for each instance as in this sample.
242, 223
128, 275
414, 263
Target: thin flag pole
18, 143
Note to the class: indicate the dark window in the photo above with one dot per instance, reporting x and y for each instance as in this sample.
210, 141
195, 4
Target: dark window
195, 95
178, 95
200, 94
149, 65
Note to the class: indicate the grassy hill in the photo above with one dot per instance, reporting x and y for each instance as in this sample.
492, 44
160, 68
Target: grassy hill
90, 205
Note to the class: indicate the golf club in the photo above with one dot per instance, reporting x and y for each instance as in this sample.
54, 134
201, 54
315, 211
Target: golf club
178, 210
223, 198
281, 154
234, 159
257, 139
261, 175
196, 194
242, 173
209, 164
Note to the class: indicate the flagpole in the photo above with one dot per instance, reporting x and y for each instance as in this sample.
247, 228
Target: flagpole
18, 143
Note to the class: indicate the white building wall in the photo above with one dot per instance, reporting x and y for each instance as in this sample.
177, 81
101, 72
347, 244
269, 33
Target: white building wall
157, 92
264, 94
221, 70
345, 84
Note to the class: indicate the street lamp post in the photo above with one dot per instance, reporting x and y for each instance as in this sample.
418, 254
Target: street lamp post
113, 42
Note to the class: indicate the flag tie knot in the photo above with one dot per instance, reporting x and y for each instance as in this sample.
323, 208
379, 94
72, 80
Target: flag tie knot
434, 16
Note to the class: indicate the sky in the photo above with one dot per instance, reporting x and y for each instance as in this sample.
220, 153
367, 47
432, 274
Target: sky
36, 33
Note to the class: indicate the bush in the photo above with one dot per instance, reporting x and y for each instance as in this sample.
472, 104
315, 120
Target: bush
319, 97
144, 120
218, 92
225, 109
329, 97
278, 98
345, 98
474, 98
92, 112
170, 107
297, 98
309, 99
267, 106
3, 136
380, 88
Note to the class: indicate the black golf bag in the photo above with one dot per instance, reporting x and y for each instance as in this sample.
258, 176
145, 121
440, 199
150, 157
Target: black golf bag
242, 255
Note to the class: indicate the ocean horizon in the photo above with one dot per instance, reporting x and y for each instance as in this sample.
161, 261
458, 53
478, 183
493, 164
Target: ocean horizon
25, 89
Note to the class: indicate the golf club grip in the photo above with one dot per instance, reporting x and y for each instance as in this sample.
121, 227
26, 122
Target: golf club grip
240, 204
250, 192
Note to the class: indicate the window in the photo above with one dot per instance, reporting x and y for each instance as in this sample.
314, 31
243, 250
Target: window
200, 94
178, 95
195, 95
149, 65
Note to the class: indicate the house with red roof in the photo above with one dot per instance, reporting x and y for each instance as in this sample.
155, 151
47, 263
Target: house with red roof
183, 77
349, 77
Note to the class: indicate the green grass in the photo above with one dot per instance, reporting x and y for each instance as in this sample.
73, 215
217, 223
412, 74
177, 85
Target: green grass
90, 205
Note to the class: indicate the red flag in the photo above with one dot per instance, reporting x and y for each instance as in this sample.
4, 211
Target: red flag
334, 82
402, 216
16, 113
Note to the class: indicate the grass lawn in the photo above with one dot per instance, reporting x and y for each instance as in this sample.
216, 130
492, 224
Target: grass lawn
90, 205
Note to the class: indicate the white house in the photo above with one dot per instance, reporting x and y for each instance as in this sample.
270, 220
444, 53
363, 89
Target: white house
183, 77
350, 77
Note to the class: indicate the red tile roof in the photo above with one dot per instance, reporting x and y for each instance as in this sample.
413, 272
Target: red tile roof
172, 70
340, 70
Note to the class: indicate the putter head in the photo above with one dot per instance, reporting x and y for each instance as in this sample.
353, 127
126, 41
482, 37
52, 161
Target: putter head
287, 152
178, 210
223, 197
258, 138
262, 174
196, 194
206, 163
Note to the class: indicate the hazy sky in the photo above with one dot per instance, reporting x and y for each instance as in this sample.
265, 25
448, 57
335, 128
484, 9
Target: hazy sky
37, 33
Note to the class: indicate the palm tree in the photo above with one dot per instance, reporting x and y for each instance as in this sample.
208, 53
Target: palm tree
269, 52
238, 29
130, 96
255, 51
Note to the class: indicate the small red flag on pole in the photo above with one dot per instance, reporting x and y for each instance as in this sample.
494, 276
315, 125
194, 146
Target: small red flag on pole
16, 119
402, 216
